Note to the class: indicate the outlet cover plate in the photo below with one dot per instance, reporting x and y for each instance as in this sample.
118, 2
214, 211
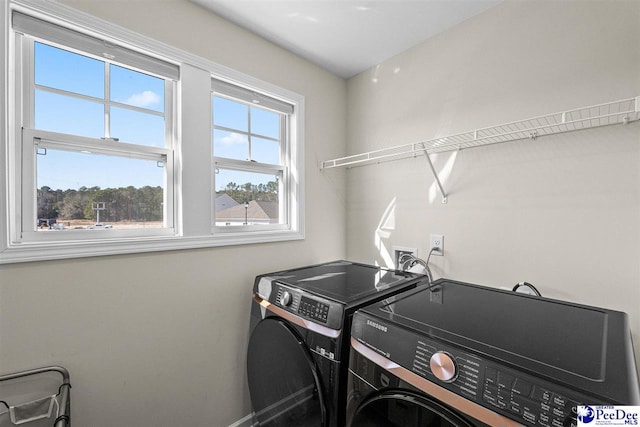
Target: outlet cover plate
437, 241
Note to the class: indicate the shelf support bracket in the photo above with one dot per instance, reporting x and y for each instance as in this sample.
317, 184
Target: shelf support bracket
435, 175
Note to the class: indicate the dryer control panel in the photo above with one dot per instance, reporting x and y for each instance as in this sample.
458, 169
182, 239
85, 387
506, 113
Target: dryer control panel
307, 306
519, 396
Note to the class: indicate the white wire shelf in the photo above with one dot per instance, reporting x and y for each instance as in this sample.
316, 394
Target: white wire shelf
616, 112
610, 113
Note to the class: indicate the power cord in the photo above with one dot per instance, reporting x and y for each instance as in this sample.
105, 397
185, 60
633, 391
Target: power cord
408, 261
526, 288
431, 251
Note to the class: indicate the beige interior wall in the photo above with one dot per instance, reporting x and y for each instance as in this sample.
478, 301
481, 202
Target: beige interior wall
159, 339
561, 212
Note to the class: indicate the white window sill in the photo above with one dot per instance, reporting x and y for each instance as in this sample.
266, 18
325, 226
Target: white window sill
29, 252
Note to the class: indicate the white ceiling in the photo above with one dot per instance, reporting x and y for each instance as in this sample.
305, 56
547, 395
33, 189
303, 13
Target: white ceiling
346, 37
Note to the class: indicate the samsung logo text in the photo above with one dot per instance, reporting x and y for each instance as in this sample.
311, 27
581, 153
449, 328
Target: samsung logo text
377, 325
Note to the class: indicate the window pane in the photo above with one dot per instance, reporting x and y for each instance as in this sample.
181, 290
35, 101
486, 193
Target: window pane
68, 71
265, 123
230, 145
265, 151
246, 198
137, 89
65, 114
74, 188
230, 114
137, 128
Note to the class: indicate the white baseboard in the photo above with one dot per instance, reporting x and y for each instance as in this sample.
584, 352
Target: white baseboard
247, 421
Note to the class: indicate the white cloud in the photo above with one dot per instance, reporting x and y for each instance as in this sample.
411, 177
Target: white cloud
144, 99
234, 139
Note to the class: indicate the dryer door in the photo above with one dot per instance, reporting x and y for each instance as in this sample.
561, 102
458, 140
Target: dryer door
403, 408
283, 379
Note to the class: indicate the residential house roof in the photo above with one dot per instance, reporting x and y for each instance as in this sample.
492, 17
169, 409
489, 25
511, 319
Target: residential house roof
260, 211
224, 201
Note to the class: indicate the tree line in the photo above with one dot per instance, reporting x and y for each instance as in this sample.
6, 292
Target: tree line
246, 192
130, 203
120, 204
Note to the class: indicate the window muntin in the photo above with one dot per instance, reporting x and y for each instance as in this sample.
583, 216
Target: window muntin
230, 114
136, 89
246, 132
265, 150
265, 122
231, 145
135, 104
62, 111
250, 150
137, 127
67, 71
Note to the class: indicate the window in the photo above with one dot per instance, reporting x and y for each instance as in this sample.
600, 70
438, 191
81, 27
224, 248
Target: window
251, 158
117, 144
97, 137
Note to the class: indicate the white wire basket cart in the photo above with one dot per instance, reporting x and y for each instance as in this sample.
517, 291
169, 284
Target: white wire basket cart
36, 398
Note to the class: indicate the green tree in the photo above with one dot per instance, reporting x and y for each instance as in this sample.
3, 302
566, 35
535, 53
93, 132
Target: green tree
73, 204
48, 203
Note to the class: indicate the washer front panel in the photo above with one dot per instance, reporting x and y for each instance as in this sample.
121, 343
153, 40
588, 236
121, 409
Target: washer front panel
503, 390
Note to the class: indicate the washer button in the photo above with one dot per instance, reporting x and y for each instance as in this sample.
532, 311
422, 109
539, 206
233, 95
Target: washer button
443, 367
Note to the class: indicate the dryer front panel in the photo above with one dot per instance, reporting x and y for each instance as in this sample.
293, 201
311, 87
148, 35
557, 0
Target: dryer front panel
284, 382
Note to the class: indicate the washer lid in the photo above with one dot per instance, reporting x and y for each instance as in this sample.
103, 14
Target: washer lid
587, 347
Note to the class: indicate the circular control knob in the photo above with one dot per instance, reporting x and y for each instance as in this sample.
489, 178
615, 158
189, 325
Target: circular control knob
443, 367
286, 299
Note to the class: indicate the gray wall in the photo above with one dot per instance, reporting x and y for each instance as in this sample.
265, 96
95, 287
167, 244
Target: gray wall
561, 212
160, 339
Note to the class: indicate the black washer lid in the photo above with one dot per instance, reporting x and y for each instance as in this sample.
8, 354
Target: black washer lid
343, 281
588, 347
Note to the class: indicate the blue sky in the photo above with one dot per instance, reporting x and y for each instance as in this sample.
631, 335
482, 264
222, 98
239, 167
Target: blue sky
84, 76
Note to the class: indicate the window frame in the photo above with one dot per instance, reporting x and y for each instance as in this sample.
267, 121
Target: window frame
34, 139
193, 206
284, 110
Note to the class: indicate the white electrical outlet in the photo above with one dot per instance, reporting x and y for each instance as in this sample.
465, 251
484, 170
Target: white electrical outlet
437, 241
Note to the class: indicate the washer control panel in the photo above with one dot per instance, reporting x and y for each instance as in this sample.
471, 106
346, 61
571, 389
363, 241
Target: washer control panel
314, 309
535, 402
311, 307
516, 395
